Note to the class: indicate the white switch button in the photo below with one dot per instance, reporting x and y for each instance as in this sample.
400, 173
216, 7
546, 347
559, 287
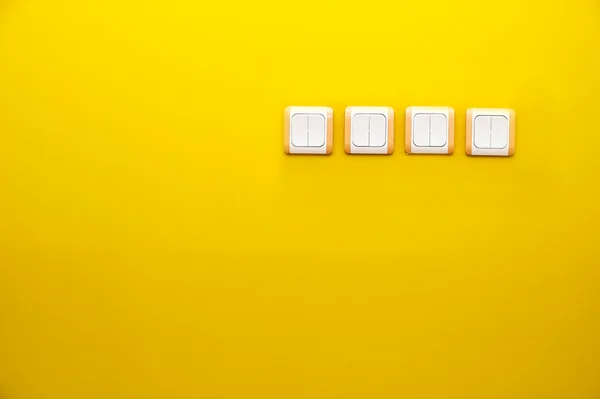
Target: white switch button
490, 132
421, 130
308, 130
360, 128
377, 130
300, 130
498, 136
316, 130
369, 130
438, 130
429, 130
483, 130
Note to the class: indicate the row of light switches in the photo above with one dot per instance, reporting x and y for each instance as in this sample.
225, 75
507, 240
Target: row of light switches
370, 130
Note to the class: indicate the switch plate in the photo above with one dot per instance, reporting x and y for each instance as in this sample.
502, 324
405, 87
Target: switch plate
429, 130
490, 132
308, 130
369, 130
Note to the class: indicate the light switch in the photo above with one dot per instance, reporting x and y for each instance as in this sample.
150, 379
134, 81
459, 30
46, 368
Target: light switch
369, 130
490, 132
308, 130
429, 130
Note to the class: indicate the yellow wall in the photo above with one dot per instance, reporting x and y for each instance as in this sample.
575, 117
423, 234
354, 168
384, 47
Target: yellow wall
155, 242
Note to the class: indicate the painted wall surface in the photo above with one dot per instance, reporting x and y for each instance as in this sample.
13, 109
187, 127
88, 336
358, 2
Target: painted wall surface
155, 242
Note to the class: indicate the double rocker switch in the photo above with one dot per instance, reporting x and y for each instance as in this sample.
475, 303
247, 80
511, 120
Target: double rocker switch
490, 132
308, 130
369, 130
428, 130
